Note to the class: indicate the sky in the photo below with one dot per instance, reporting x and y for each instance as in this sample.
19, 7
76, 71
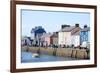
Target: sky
51, 21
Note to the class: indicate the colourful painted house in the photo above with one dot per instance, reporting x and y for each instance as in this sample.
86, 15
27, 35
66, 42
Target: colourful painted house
75, 39
36, 34
65, 35
46, 39
85, 35
54, 38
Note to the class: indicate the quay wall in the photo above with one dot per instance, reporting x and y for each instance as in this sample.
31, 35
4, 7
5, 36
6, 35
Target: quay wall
65, 52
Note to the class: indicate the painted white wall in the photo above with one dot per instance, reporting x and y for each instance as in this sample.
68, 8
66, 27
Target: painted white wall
5, 37
32, 36
75, 39
64, 38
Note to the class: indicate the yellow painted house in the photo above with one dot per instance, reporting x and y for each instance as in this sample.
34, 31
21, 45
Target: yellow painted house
65, 35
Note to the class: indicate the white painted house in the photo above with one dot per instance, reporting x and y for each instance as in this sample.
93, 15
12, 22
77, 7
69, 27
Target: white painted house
64, 38
75, 39
67, 35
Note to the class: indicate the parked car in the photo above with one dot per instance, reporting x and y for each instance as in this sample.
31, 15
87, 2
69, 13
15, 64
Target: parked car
85, 45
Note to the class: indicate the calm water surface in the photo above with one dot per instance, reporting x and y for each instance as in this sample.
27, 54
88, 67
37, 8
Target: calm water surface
26, 57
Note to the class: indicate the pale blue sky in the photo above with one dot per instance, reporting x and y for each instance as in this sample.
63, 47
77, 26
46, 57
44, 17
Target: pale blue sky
51, 21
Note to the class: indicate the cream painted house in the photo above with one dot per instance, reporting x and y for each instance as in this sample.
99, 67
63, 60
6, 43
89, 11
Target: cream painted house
64, 38
67, 36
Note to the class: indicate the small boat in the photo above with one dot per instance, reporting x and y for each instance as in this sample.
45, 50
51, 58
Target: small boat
35, 55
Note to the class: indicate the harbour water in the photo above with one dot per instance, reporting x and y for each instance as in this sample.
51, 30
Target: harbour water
26, 57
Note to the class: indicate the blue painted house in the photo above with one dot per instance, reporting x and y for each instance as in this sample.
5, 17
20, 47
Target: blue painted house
36, 34
85, 35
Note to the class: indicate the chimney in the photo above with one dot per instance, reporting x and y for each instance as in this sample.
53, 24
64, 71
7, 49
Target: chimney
85, 26
76, 25
63, 26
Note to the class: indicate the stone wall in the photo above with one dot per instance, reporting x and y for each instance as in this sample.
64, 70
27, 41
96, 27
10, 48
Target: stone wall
65, 52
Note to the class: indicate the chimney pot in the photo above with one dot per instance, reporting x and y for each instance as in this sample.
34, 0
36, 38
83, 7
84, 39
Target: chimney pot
76, 25
63, 26
85, 26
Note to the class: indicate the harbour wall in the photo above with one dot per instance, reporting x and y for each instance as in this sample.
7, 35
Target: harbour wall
64, 52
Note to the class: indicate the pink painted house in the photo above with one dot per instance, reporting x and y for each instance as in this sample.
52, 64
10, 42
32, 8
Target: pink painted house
46, 39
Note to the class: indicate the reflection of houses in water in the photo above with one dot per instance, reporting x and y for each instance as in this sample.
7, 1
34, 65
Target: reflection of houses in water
37, 32
85, 36
67, 34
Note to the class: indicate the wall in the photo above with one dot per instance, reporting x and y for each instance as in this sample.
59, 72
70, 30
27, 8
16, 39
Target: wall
64, 38
5, 37
75, 39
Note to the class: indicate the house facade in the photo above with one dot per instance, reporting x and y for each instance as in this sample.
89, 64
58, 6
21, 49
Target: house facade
54, 38
75, 39
36, 34
50, 39
64, 38
67, 37
85, 36
26, 41
46, 39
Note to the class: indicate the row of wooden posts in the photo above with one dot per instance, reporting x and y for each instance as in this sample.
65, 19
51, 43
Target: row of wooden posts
64, 52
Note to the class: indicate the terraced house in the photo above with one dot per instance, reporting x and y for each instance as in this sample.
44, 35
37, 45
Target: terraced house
69, 35
85, 36
49, 39
36, 34
46, 39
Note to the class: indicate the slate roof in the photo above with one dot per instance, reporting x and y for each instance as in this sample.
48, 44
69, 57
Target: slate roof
73, 29
76, 33
55, 34
67, 29
86, 29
